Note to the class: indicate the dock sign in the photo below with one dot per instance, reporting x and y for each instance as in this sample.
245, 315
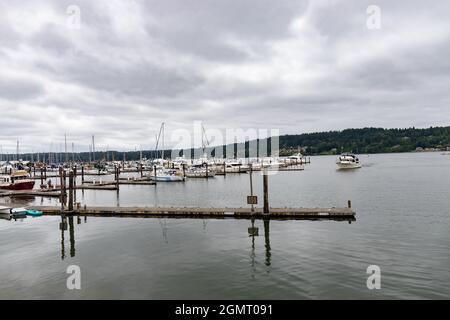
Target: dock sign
252, 200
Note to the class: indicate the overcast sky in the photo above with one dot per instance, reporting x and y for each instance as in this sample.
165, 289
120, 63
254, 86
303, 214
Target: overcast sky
297, 66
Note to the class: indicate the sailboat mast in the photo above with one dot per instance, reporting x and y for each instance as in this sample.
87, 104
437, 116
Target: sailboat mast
65, 148
93, 148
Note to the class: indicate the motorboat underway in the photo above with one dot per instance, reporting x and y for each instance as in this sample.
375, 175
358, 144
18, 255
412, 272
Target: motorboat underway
348, 161
18, 180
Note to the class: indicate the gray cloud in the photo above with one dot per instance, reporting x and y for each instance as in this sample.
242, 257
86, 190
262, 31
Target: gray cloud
19, 89
299, 66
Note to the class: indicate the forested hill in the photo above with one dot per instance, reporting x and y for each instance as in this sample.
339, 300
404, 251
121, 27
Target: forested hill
367, 140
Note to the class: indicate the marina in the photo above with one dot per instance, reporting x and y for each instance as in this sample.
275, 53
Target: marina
163, 173
211, 238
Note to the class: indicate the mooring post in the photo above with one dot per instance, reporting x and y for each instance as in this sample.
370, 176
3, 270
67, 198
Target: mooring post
184, 170
74, 184
61, 186
42, 178
71, 191
117, 177
82, 174
349, 203
224, 169
207, 172
65, 188
251, 188
154, 170
45, 172
142, 174
266, 191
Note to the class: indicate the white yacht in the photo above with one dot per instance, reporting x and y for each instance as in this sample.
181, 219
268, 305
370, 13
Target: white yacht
200, 172
348, 161
235, 166
166, 175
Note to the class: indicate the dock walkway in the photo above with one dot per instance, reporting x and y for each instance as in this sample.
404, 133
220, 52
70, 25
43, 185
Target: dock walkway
322, 213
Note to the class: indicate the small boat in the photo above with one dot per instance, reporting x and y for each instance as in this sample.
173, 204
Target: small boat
296, 159
235, 166
18, 180
200, 172
348, 161
166, 175
18, 213
34, 213
5, 213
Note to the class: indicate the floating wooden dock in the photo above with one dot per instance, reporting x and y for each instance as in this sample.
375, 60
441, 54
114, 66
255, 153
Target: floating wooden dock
145, 182
317, 213
32, 193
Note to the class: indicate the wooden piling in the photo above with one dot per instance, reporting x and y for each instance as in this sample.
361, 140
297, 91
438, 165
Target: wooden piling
42, 178
71, 191
61, 184
74, 184
266, 192
251, 186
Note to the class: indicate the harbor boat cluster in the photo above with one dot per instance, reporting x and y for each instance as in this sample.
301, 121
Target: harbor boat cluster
61, 180
20, 175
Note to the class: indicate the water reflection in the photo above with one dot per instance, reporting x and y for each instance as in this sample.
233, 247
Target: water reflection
254, 232
67, 222
267, 241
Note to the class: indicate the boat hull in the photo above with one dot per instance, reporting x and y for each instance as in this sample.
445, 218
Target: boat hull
346, 166
20, 185
200, 175
167, 179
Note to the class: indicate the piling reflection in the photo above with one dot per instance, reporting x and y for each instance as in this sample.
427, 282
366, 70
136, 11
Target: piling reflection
72, 237
63, 227
267, 241
254, 232
68, 223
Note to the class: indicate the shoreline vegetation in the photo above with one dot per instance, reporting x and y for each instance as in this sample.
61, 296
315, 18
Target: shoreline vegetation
358, 141
367, 141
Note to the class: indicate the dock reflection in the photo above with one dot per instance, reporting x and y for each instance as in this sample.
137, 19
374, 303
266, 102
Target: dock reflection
68, 224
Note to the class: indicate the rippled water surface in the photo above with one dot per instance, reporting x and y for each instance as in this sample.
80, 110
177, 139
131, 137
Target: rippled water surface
403, 226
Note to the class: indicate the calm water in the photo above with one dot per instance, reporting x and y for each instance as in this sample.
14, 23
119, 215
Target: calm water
403, 224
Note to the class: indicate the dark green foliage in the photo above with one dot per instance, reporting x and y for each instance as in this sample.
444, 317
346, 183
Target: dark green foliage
367, 140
